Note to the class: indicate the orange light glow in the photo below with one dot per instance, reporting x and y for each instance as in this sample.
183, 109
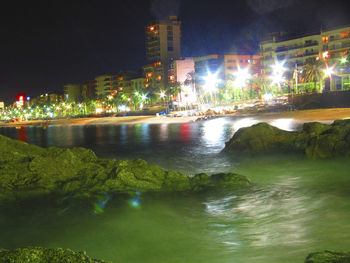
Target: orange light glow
151, 28
149, 75
325, 54
325, 39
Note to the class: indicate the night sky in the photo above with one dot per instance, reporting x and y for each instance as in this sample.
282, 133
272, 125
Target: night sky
47, 44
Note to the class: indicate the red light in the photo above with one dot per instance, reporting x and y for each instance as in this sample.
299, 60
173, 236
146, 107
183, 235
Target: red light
20, 98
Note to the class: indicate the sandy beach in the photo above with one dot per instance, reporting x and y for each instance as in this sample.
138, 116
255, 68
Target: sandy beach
324, 115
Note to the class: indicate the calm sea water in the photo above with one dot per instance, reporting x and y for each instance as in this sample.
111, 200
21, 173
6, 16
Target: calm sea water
295, 207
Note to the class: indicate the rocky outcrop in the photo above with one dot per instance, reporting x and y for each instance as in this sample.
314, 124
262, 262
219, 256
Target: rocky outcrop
328, 257
316, 140
45, 255
28, 171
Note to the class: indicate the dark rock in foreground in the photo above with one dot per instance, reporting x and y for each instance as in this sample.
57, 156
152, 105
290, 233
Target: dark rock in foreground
328, 257
316, 140
28, 171
45, 255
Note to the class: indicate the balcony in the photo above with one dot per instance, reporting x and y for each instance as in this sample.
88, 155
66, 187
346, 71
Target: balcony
339, 38
339, 46
283, 49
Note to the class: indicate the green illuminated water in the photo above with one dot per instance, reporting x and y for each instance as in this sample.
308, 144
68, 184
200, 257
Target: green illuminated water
295, 207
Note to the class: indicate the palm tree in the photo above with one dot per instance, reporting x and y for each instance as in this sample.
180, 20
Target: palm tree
312, 71
174, 88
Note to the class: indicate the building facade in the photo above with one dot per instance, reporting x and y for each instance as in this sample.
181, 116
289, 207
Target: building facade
163, 44
104, 86
182, 71
329, 45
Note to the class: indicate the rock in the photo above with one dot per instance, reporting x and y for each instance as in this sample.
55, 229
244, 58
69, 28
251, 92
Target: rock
45, 255
328, 257
315, 140
262, 138
77, 172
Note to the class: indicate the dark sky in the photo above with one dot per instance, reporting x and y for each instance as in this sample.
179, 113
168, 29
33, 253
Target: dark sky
45, 44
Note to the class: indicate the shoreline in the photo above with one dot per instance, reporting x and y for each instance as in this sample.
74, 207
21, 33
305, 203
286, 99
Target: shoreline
322, 115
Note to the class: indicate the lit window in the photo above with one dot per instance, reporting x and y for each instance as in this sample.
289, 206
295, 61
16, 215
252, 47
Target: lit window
325, 39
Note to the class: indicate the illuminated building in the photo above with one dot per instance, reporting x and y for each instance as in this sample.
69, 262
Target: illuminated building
234, 62
225, 66
163, 44
121, 82
104, 85
182, 71
138, 83
154, 75
72, 92
330, 45
88, 90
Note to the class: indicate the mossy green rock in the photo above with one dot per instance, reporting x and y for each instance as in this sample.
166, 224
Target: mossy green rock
328, 257
78, 172
315, 140
45, 255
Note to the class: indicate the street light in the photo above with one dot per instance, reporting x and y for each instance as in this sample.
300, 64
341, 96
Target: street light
242, 75
328, 71
278, 70
210, 82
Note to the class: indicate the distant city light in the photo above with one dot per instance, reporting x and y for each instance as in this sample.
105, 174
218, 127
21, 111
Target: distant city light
143, 97
267, 97
99, 110
162, 94
343, 60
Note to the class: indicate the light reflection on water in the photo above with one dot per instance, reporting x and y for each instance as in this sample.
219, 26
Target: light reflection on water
294, 207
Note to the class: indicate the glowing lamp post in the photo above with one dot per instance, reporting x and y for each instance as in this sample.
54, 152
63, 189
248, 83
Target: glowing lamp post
278, 70
210, 83
241, 77
328, 72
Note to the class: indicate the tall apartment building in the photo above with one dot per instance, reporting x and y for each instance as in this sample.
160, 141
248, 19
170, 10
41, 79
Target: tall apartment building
163, 44
331, 44
103, 85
